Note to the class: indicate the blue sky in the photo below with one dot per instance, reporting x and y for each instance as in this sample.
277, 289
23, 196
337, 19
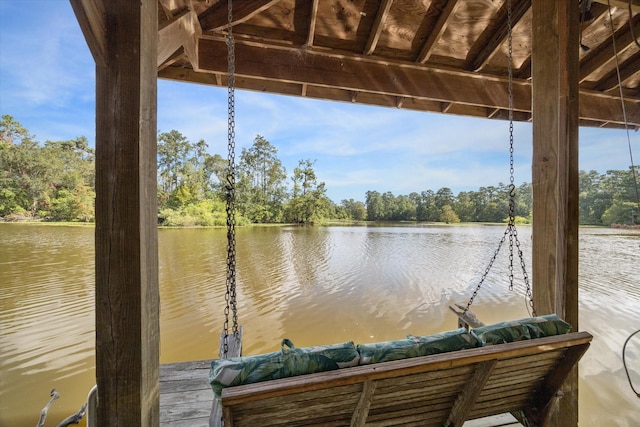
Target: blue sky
47, 83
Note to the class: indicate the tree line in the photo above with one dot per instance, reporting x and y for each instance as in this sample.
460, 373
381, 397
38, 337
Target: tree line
55, 181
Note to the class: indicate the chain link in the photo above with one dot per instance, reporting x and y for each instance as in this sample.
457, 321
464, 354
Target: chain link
230, 190
511, 225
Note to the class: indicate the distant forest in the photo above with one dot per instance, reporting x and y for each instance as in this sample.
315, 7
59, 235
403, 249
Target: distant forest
55, 181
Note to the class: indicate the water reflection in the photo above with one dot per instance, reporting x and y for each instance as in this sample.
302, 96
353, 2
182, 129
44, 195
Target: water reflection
314, 285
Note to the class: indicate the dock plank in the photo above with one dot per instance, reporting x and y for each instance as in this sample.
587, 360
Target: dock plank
185, 394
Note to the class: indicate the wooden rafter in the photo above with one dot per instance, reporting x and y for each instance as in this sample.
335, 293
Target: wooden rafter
492, 42
181, 30
350, 72
215, 18
447, 9
393, 34
378, 25
603, 56
92, 19
635, 4
177, 56
628, 68
355, 73
598, 12
312, 22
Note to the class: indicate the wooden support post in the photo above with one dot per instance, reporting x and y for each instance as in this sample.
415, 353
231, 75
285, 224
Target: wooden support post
555, 172
465, 401
360, 414
127, 297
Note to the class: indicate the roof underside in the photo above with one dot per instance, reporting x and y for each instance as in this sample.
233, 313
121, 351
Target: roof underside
428, 55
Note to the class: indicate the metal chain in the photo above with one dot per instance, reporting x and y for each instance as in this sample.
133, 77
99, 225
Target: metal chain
230, 190
512, 186
511, 226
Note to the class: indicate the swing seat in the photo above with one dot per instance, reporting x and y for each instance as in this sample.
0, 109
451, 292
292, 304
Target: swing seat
444, 389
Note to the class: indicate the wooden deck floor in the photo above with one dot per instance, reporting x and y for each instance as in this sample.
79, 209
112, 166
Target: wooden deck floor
185, 394
186, 398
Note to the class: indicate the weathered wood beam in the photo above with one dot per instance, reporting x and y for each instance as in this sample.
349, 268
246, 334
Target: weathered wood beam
365, 74
312, 22
173, 5
168, 6
605, 54
465, 401
181, 30
553, 383
378, 25
555, 104
495, 40
628, 69
524, 71
126, 247
91, 17
177, 56
623, 4
437, 31
215, 18
191, 43
360, 74
360, 414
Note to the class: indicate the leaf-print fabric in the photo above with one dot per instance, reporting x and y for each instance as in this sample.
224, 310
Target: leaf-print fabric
523, 329
414, 346
282, 364
293, 361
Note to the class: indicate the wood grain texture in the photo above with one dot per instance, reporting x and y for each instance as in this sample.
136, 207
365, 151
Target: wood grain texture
427, 390
440, 38
327, 73
91, 17
555, 172
127, 297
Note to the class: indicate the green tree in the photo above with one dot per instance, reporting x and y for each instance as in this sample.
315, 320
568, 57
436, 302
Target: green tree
173, 160
448, 215
308, 202
375, 207
25, 171
71, 187
431, 211
355, 209
261, 182
444, 196
215, 175
405, 209
465, 206
12, 132
620, 213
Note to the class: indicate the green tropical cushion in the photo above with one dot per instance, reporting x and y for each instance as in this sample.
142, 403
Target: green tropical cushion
522, 329
413, 346
282, 364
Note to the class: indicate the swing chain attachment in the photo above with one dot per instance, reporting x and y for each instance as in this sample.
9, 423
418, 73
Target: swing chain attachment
511, 230
230, 191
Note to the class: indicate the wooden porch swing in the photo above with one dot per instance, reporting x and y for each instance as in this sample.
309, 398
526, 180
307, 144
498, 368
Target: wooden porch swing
446, 389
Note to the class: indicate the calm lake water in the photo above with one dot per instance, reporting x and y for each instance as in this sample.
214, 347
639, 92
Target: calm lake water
314, 285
